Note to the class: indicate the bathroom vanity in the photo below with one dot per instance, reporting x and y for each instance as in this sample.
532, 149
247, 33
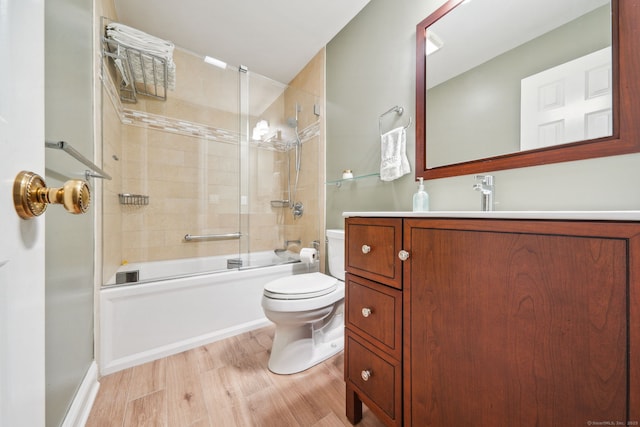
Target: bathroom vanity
493, 318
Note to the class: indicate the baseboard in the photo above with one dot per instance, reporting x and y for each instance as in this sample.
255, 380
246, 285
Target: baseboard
78, 413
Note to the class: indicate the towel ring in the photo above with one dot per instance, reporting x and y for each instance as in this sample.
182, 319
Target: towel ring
397, 109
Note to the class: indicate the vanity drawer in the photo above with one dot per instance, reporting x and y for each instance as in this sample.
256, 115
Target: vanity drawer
372, 246
375, 312
375, 377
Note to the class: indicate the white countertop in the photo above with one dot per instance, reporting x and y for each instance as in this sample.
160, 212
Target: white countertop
557, 215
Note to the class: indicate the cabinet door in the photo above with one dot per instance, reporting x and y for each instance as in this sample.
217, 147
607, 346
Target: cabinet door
515, 329
372, 246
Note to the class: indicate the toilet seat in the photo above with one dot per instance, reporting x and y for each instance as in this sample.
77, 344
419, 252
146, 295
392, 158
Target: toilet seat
302, 286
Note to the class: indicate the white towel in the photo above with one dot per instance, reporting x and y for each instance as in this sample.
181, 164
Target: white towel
394, 162
144, 67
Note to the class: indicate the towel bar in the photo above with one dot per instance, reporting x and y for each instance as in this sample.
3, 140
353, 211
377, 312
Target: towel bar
397, 109
227, 236
67, 148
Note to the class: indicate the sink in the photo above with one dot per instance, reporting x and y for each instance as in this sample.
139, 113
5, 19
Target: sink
557, 215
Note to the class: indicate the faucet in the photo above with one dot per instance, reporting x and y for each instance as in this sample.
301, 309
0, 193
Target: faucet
486, 189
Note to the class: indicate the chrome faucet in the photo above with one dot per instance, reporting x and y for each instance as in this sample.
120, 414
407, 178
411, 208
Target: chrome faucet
487, 190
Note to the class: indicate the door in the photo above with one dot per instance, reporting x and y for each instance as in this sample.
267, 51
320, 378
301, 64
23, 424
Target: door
22, 383
569, 102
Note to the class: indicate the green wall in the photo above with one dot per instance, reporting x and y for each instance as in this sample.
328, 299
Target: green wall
69, 238
371, 68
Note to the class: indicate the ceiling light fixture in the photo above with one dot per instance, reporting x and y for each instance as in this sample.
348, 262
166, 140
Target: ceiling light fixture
213, 61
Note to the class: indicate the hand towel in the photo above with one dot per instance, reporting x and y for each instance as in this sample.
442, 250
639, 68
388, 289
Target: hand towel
393, 156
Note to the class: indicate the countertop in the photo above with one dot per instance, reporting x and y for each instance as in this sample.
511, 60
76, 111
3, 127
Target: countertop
548, 215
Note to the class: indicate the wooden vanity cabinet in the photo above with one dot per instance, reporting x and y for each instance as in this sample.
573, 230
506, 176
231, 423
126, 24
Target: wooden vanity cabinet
516, 323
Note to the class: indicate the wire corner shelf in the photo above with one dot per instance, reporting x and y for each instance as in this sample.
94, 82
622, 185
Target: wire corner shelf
133, 199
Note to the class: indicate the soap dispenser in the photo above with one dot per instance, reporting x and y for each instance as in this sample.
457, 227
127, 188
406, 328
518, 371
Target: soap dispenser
421, 199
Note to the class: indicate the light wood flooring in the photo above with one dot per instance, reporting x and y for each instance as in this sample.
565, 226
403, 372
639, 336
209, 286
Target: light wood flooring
225, 383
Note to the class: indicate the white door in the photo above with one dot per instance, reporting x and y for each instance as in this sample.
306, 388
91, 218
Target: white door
22, 381
567, 103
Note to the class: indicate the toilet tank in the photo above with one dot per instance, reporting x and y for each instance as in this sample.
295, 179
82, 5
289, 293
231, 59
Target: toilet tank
335, 252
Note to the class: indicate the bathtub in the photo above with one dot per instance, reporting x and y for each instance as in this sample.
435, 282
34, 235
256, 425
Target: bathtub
156, 317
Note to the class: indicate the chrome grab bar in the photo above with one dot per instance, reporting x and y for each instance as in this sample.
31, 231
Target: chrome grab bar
227, 236
64, 146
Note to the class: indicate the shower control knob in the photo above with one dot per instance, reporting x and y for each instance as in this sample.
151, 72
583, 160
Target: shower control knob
366, 312
366, 374
366, 249
403, 255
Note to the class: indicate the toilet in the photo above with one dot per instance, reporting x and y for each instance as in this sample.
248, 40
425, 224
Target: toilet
308, 311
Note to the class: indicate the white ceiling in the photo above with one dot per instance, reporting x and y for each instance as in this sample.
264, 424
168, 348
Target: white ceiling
275, 38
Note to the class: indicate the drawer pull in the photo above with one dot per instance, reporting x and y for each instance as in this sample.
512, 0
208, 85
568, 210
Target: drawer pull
403, 255
366, 249
366, 312
366, 374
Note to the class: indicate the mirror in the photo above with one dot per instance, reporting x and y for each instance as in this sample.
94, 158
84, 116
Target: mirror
517, 77
489, 96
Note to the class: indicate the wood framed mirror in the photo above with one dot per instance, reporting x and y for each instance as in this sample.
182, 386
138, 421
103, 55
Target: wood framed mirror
623, 136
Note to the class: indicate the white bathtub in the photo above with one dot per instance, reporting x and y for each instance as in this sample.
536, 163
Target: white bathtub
155, 318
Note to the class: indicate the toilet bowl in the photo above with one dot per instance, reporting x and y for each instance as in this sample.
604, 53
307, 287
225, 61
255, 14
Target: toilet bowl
308, 312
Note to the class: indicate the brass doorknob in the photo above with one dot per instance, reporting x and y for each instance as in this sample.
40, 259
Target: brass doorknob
31, 195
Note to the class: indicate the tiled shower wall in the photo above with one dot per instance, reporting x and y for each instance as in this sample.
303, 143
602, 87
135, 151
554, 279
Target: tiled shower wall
311, 187
183, 154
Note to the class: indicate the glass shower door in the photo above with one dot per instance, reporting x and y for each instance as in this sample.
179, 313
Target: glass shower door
280, 170
173, 205
225, 169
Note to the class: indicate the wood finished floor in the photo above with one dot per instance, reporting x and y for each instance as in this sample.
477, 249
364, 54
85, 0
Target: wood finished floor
225, 383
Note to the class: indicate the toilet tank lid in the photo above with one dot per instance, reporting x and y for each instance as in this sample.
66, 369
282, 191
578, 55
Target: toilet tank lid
301, 284
335, 233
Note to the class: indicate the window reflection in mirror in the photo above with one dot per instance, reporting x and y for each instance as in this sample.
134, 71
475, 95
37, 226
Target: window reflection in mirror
503, 77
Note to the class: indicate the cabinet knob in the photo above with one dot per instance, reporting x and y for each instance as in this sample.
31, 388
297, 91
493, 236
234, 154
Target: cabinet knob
366, 249
366, 374
403, 255
366, 312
